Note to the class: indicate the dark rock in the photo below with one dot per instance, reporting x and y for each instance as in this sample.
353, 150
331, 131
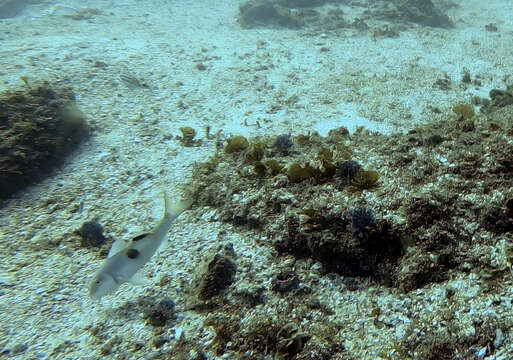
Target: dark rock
257, 13
39, 127
422, 12
12, 8
18, 349
160, 313
220, 274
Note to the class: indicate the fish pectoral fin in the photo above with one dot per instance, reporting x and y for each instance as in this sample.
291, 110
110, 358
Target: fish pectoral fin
117, 246
139, 279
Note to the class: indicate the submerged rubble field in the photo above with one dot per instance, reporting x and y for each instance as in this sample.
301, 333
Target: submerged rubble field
363, 227
349, 165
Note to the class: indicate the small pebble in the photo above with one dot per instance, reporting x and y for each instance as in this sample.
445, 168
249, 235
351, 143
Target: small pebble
19, 348
499, 338
481, 353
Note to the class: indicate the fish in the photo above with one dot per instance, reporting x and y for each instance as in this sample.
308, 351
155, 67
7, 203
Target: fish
132, 82
126, 259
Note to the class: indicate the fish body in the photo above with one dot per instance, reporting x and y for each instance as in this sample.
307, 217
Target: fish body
124, 261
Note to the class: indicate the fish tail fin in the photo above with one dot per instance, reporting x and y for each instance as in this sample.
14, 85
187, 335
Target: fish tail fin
174, 207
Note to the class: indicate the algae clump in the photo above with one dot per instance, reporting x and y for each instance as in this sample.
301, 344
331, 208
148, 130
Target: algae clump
236, 144
364, 180
188, 135
274, 167
297, 173
255, 152
464, 110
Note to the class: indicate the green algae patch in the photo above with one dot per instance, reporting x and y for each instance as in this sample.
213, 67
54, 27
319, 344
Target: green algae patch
274, 167
297, 173
466, 111
188, 135
255, 152
365, 179
236, 144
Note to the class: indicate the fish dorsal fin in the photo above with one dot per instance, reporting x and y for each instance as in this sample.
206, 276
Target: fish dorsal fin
139, 237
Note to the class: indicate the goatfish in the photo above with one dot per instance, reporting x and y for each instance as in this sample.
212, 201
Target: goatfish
125, 260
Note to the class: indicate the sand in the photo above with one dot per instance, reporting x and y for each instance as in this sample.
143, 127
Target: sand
202, 70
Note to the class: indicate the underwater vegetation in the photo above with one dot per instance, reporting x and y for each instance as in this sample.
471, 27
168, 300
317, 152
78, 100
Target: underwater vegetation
380, 17
236, 144
402, 211
188, 137
278, 337
352, 245
465, 111
39, 127
422, 12
256, 13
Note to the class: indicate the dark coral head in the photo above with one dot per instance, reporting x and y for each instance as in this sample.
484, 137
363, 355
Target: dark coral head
347, 170
158, 313
361, 219
91, 234
283, 142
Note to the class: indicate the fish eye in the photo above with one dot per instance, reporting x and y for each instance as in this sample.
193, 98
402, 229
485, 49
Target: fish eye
132, 253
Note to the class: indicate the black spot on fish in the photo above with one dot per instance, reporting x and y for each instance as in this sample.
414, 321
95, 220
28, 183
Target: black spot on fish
132, 253
139, 237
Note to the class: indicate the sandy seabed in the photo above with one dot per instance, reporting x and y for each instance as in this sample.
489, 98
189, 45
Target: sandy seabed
202, 70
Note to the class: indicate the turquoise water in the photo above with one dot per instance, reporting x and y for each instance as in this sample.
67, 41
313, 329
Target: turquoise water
349, 165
